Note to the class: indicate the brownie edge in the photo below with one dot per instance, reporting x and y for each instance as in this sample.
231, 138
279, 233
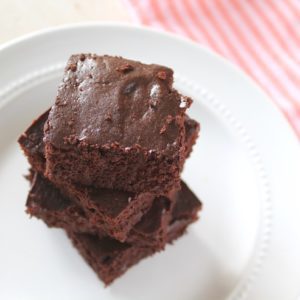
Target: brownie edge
116, 124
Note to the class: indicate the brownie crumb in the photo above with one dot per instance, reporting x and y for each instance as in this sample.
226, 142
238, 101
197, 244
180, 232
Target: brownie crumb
127, 149
169, 119
177, 120
71, 139
24, 135
125, 68
185, 102
82, 57
46, 127
162, 75
108, 117
115, 145
153, 102
72, 67
163, 129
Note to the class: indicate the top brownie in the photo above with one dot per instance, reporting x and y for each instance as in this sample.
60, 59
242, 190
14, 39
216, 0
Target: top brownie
118, 124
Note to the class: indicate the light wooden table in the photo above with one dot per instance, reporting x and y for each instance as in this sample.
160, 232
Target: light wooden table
18, 17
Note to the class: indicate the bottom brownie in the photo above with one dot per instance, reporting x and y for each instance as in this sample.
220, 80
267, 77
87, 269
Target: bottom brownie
110, 258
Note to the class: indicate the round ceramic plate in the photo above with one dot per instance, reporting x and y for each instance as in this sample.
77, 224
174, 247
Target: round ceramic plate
245, 168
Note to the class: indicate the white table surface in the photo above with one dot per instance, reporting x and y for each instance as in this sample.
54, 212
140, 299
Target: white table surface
18, 17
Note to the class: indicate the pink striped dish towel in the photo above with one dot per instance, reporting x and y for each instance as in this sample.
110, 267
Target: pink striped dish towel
261, 36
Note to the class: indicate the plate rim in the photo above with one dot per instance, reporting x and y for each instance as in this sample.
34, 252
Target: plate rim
115, 25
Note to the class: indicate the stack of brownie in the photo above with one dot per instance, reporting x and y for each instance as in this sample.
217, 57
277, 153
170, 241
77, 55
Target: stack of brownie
106, 161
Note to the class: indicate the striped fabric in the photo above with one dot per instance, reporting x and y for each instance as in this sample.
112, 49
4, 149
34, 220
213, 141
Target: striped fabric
261, 36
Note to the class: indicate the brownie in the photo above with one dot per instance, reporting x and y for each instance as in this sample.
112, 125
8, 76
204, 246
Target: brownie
114, 212
110, 258
31, 141
192, 129
116, 124
115, 217
107, 257
47, 203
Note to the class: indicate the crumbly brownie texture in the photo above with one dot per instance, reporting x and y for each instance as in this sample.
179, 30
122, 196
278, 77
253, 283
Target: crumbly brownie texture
31, 141
186, 207
117, 211
116, 124
110, 259
192, 129
109, 211
116, 219
107, 257
47, 203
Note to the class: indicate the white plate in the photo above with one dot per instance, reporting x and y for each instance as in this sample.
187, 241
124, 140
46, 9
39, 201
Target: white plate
245, 168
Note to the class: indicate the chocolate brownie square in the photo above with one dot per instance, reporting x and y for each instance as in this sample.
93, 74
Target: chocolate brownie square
116, 124
31, 141
110, 211
110, 258
116, 219
107, 257
192, 129
46, 202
